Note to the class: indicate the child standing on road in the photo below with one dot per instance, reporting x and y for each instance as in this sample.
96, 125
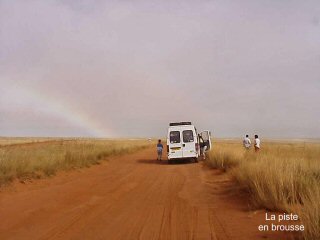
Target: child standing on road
256, 143
159, 150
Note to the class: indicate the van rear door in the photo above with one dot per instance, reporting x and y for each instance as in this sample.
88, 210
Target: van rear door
175, 144
206, 136
188, 145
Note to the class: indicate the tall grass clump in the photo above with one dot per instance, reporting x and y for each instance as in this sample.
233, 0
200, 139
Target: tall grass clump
38, 160
281, 177
222, 158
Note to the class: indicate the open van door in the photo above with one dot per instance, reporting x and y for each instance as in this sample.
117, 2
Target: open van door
206, 136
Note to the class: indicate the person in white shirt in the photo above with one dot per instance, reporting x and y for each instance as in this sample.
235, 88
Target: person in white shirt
247, 142
256, 143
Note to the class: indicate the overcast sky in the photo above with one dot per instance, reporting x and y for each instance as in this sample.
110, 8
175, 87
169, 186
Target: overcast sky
128, 68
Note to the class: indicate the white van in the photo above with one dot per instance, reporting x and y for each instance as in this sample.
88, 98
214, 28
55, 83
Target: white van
183, 141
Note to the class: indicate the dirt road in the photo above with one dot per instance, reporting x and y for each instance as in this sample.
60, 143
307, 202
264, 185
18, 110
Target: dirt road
130, 197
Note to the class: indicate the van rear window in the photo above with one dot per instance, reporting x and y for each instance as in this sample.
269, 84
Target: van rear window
187, 136
174, 137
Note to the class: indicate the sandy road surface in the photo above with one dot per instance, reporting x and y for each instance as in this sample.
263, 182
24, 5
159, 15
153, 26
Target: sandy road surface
129, 197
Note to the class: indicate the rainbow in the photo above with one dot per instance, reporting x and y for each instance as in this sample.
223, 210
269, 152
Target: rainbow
55, 107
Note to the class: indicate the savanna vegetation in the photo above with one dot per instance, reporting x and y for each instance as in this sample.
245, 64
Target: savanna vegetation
280, 177
6, 141
43, 157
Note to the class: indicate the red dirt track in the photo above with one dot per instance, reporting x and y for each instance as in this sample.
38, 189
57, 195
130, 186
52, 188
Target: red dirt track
130, 197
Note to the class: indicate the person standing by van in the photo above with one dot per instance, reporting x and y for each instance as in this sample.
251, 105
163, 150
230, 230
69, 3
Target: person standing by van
159, 150
203, 147
256, 143
247, 142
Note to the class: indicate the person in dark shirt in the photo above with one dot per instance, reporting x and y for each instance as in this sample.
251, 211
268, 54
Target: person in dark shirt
159, 150
203, 147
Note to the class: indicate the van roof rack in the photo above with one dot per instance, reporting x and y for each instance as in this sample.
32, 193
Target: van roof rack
179, 123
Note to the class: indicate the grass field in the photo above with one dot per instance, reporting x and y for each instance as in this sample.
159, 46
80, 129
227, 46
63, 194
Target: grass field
6, 141
281, 177
35, 158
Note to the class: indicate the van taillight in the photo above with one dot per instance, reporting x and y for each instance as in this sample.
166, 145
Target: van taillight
167, 148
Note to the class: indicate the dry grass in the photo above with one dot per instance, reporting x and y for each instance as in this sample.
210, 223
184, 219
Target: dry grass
6, 141
281, 177
44, 159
